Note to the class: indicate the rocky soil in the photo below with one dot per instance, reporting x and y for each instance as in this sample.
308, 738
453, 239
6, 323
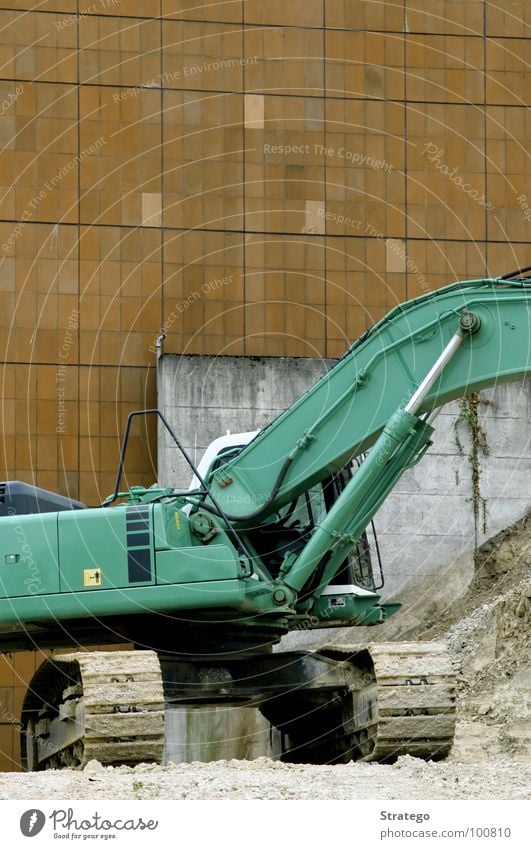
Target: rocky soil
488, 633
409, 778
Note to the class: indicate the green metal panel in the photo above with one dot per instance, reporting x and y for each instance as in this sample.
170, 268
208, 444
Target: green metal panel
115, 541
198, 563
28, 555
116, 602
344, 412
171, 527
357, 610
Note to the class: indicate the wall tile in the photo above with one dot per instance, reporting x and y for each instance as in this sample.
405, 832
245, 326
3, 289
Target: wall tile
449, 16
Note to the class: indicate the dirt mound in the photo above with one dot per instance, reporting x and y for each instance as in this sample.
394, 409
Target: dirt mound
488, 632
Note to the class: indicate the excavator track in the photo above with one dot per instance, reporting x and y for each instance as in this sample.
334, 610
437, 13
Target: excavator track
107, 706
395, 699
404, 701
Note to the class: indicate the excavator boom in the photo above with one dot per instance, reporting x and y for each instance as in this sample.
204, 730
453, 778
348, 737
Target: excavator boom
342, 415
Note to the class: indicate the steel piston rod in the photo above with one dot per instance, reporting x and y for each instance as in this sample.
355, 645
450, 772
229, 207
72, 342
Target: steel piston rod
469, 323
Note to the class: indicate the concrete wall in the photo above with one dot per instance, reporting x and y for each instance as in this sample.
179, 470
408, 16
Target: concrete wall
218, 732
428, 520
203, 397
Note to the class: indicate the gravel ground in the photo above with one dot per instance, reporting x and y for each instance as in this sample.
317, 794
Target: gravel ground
409, 778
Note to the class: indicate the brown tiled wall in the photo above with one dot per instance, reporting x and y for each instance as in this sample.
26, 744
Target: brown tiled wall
146, 185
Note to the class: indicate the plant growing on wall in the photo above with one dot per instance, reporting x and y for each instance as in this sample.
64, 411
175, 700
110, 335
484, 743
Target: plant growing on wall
479, 447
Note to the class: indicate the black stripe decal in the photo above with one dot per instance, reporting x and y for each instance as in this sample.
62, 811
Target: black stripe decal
137, 525
138, 544
136, 513
139, 540
139, 565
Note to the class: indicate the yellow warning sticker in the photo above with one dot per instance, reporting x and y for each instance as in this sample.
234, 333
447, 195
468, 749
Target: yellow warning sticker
178, 521
92, 577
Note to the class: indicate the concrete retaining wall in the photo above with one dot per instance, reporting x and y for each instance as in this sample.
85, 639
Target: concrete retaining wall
428, 520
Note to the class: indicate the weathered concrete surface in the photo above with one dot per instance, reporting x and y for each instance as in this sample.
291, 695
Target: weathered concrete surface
218, 732
428, 521
203, 397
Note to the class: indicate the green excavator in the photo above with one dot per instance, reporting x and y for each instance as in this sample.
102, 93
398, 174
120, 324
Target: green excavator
205, 582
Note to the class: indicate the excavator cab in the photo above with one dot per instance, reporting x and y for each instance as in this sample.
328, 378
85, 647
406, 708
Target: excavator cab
290, 528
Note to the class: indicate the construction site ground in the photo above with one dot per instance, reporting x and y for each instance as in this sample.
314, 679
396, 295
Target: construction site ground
488, 632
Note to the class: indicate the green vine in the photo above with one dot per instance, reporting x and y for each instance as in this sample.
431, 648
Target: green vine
479, 447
